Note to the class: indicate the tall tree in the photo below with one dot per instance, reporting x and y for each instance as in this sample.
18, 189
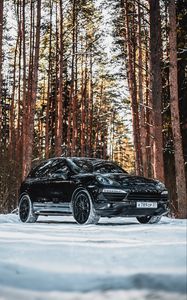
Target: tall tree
74, 78
175, 118
1, 44
28, 146
182, 67
59, 115
156, 87
49, 76
129, 9
140, 94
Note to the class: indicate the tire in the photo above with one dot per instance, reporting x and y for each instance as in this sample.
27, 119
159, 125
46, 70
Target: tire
83, 210
25, 210
149, 219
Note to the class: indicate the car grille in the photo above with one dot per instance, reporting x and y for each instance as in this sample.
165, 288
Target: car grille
146, 197
114, 196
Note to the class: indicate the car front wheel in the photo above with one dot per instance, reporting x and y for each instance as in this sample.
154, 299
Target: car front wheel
25, 210
149, 219
83, 210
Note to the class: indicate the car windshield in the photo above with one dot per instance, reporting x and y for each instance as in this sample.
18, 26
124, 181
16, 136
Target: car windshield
95, 165
108, 167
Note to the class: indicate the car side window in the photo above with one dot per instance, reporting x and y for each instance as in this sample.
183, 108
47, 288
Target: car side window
59, 169
41, 170
104, 169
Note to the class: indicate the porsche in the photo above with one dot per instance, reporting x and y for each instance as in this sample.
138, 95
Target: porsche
90, 188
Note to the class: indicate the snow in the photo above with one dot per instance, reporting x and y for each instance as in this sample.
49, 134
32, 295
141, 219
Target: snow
117, 259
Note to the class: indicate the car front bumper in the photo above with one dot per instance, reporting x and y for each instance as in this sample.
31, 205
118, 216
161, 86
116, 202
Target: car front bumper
128, 210
108, 207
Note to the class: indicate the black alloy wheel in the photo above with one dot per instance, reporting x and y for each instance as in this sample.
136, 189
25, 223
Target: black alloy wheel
149, 219
83, 210
26, 214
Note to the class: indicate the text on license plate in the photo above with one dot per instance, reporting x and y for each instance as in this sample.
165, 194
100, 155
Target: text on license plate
146, 204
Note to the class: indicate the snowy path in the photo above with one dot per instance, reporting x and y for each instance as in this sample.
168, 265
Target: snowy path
118, 259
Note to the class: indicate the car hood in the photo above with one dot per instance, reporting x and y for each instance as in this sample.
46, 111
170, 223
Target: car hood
135, 183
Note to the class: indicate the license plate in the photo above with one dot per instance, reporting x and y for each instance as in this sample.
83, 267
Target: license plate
146, 204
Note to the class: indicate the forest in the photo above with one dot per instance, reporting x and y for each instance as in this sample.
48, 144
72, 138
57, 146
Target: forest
95, 78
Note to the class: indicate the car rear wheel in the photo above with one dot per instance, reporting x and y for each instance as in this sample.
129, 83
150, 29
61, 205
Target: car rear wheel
25, 210
149, 219
83, 210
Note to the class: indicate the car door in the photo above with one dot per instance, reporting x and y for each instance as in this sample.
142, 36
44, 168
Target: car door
37, 180
60, 185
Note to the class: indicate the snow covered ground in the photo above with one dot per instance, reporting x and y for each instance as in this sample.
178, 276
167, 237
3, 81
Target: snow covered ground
117, 259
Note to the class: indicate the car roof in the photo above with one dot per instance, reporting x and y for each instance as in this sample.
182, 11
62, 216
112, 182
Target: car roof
93, 160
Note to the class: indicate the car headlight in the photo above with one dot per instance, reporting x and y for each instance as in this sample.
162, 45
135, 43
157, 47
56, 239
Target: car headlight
161, 186
104, 180
115, 191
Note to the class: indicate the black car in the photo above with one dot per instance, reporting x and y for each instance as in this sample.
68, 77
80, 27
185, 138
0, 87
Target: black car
88, 189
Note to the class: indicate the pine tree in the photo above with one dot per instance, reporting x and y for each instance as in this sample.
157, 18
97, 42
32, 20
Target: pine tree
175, 118
156, 87
1, 59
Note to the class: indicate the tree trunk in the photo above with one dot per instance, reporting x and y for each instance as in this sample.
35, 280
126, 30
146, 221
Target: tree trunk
82, 106
175, 119
19, 104
27, 102
32, 102
53, 109
48, 86
148, 111
12, 108
1, 59
131, 73
140, 95
58, 135
24, 70
156, 86
90, 114
74, 81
